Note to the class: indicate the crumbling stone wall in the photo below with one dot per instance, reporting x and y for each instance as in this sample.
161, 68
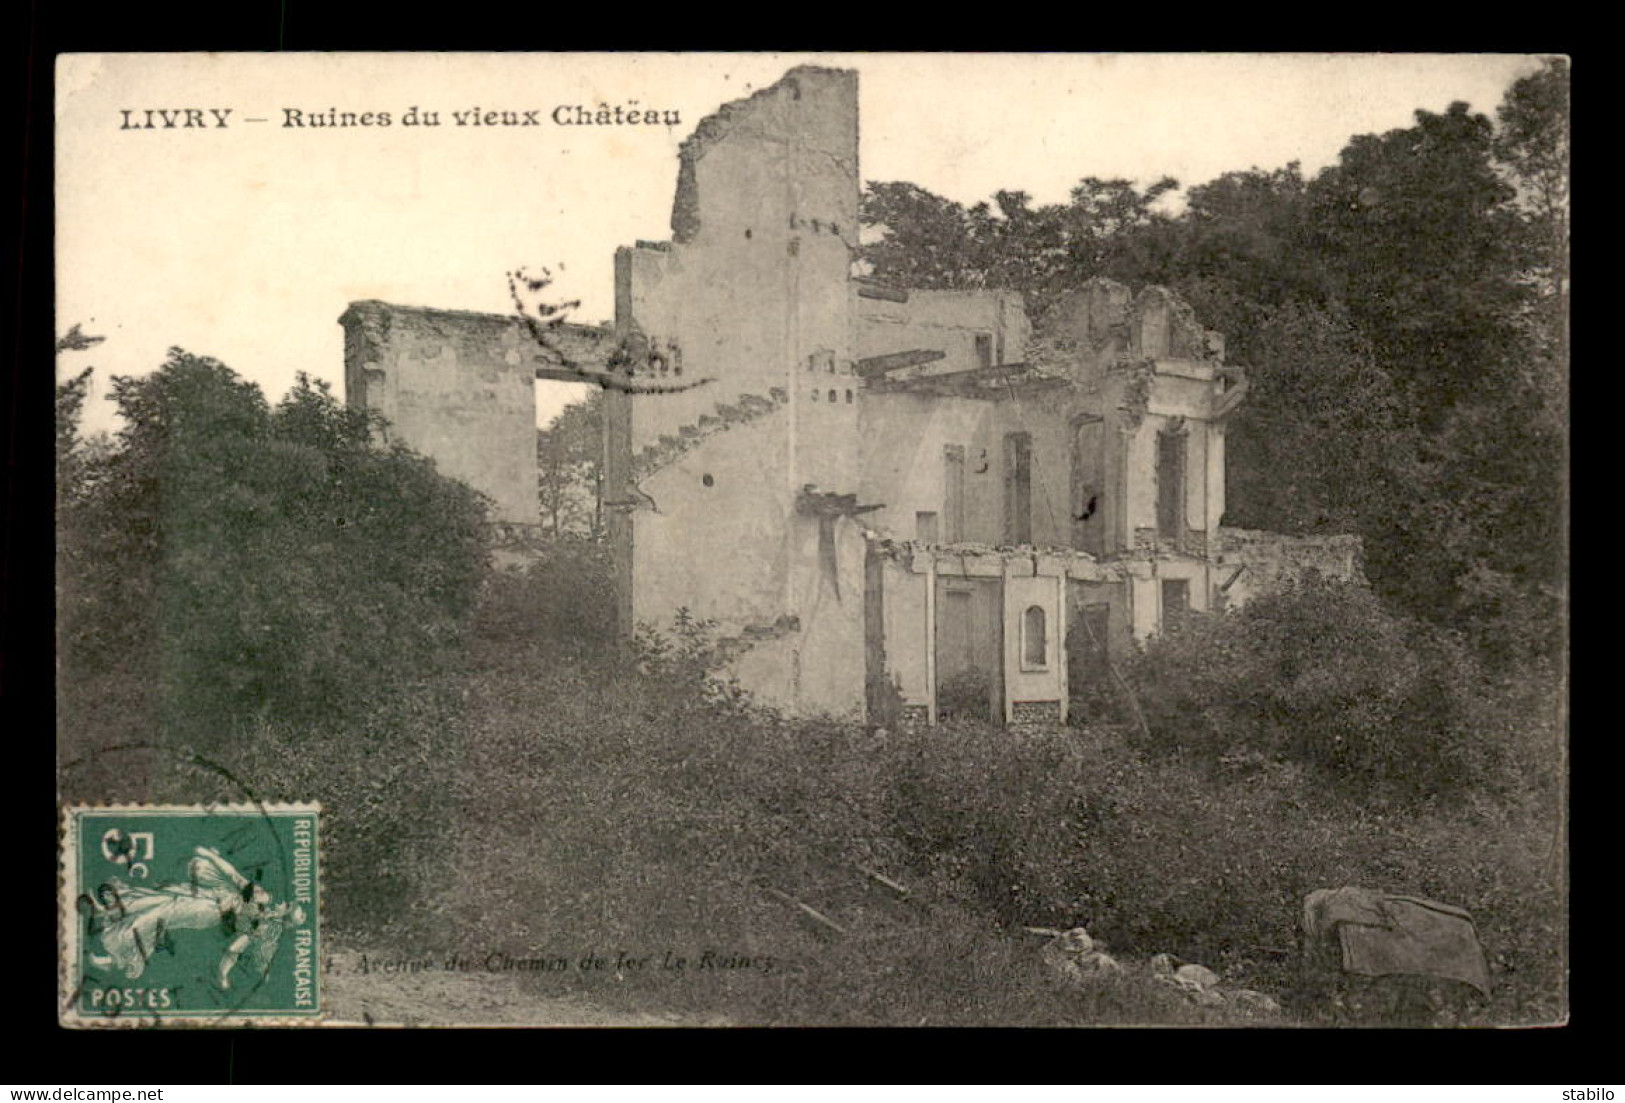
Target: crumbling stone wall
460, 388
1249, 562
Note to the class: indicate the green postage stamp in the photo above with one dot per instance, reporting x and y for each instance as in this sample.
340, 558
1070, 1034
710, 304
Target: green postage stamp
191, 914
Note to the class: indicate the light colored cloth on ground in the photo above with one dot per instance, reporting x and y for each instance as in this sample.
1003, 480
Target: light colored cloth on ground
1382, 935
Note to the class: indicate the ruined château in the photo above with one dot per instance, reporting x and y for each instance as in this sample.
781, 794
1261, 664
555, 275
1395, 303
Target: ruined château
880, 492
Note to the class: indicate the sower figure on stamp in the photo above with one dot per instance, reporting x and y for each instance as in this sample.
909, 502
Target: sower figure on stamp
135, 920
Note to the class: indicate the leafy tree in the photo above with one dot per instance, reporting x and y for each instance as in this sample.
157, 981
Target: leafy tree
1532, 148
70, 403
570, 470
924, 240
1319, 445
262, 564
927, 241
1242, 248
1432, 255
1403, 316
1424, 243
1475, 537
1532, 145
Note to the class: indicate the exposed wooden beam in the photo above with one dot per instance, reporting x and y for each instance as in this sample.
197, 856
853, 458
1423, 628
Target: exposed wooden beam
565, 375
975, 382
873, 366
875, 291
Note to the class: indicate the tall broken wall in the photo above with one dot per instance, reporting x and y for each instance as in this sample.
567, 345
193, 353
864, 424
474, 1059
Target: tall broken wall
460, 388
752, 295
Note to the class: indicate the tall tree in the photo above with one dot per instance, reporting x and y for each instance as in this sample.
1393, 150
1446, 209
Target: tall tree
262, 563
1319, 445
1402, 314
570, 470
1532, 147
925, 241
1424, 245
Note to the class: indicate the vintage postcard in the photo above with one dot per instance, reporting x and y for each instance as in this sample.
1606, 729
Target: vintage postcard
812, 539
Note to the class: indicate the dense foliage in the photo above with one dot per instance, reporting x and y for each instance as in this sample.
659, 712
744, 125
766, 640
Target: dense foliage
1324, 676
259, 602
275, 563
1403, 314
570, 471
678, 817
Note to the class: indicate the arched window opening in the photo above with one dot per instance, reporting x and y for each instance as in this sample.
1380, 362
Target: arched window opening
1034, 639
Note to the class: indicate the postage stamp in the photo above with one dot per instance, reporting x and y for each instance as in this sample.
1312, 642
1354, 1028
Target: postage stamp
191, 913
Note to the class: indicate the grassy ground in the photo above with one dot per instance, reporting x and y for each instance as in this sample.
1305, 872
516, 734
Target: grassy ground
669, 853
359, 993
609, 812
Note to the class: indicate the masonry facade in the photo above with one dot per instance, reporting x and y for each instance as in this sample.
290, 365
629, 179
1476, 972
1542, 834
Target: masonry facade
896, 504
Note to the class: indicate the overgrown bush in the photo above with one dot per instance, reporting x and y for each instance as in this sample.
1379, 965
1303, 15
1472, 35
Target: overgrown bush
263, 603
562, 595
273, 565
649, 812
1324, 675
386, 784
1153, 855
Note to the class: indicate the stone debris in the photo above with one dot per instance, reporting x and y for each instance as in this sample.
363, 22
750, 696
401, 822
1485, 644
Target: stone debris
1079, 958
1082, 959
1076, 941
1196, 976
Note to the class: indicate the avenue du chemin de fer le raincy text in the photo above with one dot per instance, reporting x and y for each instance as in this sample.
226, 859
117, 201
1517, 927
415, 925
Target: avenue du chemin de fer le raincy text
630, 113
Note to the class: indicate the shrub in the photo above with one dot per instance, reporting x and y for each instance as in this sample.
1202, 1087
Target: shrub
965, 695
272, 565
1153, 855
638, 803
563, 595
385, 783
265, 604
1325, 676
616, 806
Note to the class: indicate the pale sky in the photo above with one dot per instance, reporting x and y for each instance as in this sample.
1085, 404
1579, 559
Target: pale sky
246, 242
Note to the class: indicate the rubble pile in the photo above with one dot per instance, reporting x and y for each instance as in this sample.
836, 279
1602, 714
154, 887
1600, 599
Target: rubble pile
1083, 960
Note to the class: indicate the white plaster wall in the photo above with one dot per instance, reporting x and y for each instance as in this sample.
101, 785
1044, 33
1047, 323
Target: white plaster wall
903, 437
830, 643
456, 387
1196, 475
763, 283
718, 550
1140, 458
945, 320
906, 639
1145, 606
818, 669
1020, 593
1046, 418
758, 288
1215, 477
